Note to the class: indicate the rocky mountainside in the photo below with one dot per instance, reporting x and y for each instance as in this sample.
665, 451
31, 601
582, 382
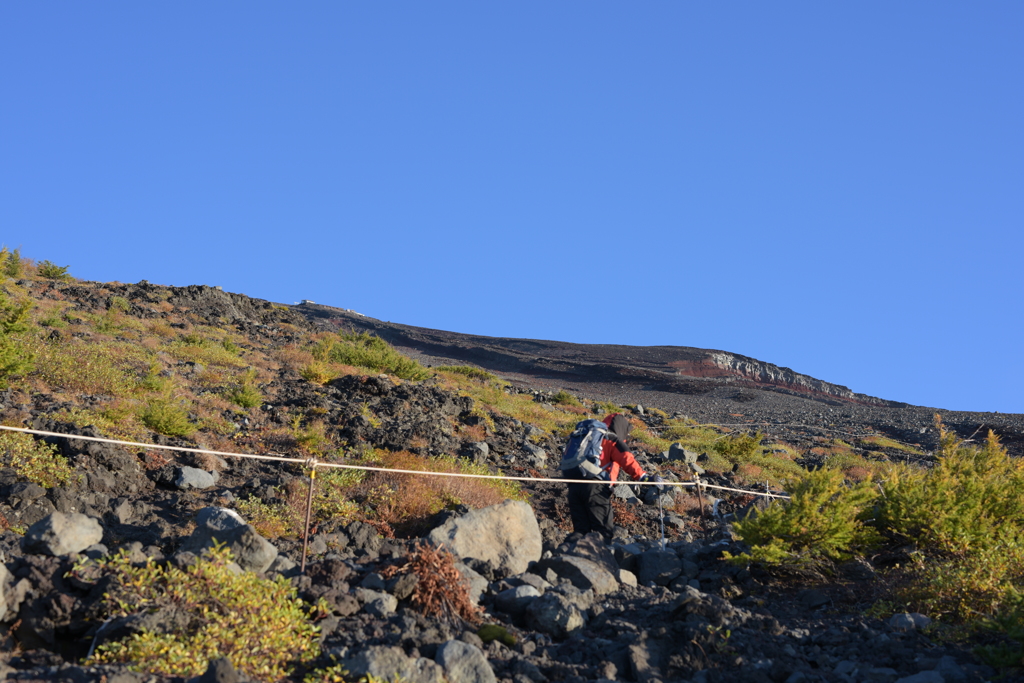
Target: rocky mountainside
524, 601
709, 385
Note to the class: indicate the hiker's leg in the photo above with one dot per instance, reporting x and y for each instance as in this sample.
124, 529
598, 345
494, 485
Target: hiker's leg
579, 507
602, 517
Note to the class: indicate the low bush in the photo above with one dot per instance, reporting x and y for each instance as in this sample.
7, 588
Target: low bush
246, 394
468, 371
825, 517
166, 416
365, 350
34, 461
565, 398
258, 624
966, 516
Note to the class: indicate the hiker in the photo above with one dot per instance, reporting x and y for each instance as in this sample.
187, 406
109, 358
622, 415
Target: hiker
590, 505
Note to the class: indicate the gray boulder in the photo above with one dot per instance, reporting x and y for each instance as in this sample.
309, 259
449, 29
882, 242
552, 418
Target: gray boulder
506, 535
464, 663
194, 478
251, 551
475, 583
658, 566
378, 604
514, 601
61, 534
908, 621
583, 573
391, 663
554, 614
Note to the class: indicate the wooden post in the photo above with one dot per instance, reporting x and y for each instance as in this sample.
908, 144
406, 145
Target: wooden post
309, 512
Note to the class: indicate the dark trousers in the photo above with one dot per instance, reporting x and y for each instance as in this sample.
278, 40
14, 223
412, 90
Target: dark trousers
590, 506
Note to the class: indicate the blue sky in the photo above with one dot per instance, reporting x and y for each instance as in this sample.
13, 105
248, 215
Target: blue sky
833, 187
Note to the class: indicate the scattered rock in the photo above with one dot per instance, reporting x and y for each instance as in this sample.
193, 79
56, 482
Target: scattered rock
60, 534
506, 535
908, 621
464, 663
192, 478
391, 663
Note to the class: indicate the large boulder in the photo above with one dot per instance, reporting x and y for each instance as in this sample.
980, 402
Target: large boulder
61, 534
391, 663
464, 663
251, 551
506, 535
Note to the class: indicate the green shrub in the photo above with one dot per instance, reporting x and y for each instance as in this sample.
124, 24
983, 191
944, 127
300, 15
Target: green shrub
52, 271
34, 461
258, 624
564, 398
824, 518
12, 266
246, 395
15, 358
166, 416
966, 516
468, 371
366, 350
108, 368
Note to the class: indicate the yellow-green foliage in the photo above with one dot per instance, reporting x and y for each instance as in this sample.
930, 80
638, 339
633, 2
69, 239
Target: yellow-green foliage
246, 394
33, 460
196, 348
365, 350
52, 271
108, 368
824, 517
15, 359
166, 416
468, 371
966, 516
563, 397
258, 624
885, 442
490, 395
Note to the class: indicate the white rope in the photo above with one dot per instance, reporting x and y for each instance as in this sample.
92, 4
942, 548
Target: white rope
312, 463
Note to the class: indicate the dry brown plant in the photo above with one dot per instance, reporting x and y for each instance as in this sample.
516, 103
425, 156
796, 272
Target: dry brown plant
441, 591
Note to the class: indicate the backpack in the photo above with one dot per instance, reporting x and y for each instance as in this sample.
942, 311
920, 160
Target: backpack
583, 451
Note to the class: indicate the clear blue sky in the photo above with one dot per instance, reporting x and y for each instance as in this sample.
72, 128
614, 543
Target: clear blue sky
833, 187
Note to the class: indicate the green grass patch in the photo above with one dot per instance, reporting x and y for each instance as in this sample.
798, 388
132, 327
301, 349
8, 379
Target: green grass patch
886, 442
468, 371
364, 350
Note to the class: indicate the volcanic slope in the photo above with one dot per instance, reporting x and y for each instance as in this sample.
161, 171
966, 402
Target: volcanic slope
707, 385
199, 367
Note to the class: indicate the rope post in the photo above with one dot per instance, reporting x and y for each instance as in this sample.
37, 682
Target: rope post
700, 495
311, 463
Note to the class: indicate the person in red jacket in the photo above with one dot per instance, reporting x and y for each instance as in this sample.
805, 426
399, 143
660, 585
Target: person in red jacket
590, 505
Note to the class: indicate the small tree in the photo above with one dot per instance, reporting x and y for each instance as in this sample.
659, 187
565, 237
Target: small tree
14, 358
52, 271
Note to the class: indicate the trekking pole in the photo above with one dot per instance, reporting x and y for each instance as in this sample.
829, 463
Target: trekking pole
309, 511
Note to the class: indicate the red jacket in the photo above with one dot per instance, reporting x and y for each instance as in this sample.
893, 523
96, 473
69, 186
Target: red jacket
619, 458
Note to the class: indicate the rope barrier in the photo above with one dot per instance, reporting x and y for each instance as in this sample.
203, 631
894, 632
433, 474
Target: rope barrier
313, 463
